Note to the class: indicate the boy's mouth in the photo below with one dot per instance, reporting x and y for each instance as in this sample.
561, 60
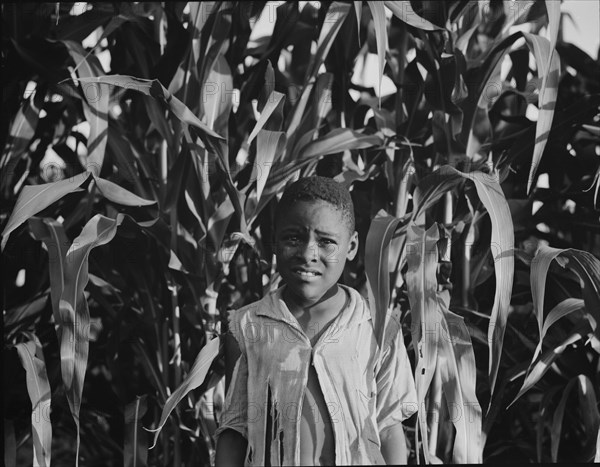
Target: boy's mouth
306, 273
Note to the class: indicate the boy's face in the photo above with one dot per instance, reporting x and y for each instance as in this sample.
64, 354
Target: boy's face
313, 244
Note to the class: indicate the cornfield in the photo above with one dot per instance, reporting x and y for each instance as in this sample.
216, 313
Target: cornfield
145, 147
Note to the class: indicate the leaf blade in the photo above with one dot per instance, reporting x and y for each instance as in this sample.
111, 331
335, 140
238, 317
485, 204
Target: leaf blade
32, 358
194, 379
35, 198
74, 313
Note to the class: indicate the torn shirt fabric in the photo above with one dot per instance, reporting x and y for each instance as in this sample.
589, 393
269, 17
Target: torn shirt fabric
367, 388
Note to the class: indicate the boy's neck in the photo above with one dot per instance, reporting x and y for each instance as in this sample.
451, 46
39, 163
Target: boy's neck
331, 301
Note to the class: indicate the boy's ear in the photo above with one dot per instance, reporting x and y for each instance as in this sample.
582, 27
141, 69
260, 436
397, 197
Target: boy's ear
352, 246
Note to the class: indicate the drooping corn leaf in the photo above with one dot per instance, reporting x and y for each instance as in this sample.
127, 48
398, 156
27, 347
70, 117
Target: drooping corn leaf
459, 381
194, 379
543, 363
548, 69
377, 268
403, 10
34, 198
502, 242
421, 281
539, 270
379, 22
561, 310
95, 106
155, 89
587, 267
74, 313
120, 195
135, 449
38, 387
52, 234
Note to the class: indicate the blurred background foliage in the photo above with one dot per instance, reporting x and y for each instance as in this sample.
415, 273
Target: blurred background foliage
145, 145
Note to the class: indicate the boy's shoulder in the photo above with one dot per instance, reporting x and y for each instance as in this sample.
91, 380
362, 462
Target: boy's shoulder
250, 311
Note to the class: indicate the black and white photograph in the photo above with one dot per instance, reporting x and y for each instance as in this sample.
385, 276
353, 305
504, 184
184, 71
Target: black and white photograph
315, 233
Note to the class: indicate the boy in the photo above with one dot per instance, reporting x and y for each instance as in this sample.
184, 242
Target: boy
311, 385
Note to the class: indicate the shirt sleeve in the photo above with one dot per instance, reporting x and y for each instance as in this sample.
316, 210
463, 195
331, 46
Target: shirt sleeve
396, 393
235, 408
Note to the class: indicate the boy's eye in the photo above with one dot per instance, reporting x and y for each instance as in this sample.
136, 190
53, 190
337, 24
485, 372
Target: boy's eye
327, 241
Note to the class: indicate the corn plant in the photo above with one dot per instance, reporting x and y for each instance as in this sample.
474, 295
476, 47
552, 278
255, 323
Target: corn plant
145, 147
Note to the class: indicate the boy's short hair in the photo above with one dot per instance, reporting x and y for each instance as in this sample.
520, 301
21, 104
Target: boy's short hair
318, 188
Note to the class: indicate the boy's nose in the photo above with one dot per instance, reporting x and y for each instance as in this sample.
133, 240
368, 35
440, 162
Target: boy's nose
308, 251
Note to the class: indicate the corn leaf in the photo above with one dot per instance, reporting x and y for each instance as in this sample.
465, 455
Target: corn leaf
558, 419
548, 69
97, 98
21, 132
34, 306
310, 124
404, 11
194, 379
269, 145
358, 11
459, 382
587, 267
135, 449
377, 269
502, 244
217, 96
52, 234
543, 363
588, 406
38, 387
379, 22
35, 198
75, 317
336, 14
421, 281
597, 456
272, 113
339, 140
119, 195
561, 310
539, 270
155, 89
200, 11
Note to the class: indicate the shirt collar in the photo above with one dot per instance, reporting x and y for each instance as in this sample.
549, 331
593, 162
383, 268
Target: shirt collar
273, 306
